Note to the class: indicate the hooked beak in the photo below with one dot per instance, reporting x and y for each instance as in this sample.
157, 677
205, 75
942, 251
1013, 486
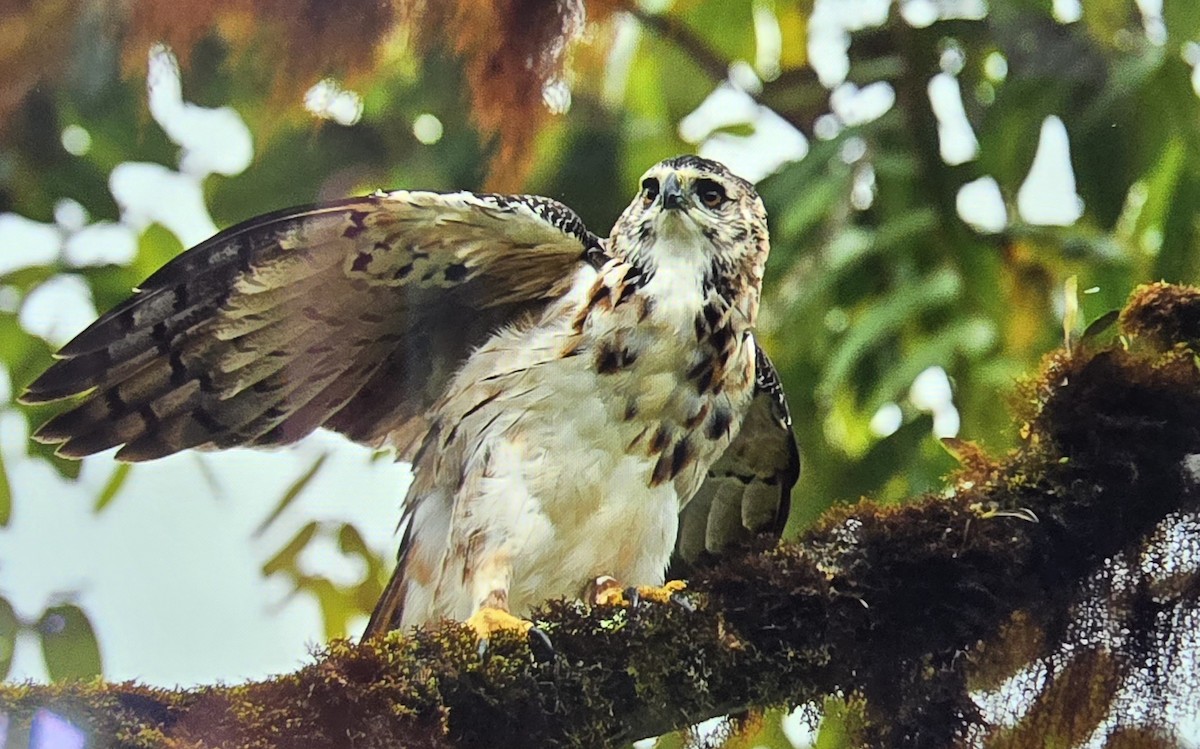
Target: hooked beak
672, 193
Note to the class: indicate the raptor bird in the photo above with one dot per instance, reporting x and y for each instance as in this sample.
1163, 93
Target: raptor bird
573, 407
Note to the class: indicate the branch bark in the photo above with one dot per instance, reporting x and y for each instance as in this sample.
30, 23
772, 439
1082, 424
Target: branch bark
880, 601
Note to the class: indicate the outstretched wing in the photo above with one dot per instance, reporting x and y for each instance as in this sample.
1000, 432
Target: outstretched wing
748, 490
349, 315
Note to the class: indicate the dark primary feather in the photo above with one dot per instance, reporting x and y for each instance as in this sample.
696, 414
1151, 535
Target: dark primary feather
350, 315
748, 490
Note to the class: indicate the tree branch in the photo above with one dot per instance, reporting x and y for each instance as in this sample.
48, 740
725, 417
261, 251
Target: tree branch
796, 95
880, 601
676, 32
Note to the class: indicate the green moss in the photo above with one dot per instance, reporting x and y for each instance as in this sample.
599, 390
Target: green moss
900, 606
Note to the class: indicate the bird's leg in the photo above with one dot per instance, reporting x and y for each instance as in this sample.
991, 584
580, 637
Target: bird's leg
664, 593
490, 586
606, 590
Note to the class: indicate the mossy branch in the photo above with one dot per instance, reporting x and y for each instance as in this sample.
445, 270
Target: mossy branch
886, 602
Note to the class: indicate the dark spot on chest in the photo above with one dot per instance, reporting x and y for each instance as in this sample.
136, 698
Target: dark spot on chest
611, 358
719, 424
712, 316
455, 273
671, 464
722, 340
658, 443
695, 419
626, 292
702, 374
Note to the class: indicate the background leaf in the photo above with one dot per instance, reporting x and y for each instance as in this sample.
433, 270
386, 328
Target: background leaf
111, 487
5, 495
9, 627
69, 645
291, 493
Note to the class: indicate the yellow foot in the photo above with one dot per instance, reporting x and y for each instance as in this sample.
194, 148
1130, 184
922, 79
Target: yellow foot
607, 591
663, 593
487, 621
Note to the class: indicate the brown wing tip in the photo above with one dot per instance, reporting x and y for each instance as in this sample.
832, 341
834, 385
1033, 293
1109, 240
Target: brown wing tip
64, 379
143, 449
30, 398
76, 447
77, 439
44, 436
39, 392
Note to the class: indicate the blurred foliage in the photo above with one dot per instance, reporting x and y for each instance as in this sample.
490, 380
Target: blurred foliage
340, 604
874, 276
67, 638
69, 644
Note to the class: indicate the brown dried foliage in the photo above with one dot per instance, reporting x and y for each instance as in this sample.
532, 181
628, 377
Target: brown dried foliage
510, 50
35, 41
296, 42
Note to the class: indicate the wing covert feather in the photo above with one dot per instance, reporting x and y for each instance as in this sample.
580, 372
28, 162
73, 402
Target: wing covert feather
748, 490
351, 315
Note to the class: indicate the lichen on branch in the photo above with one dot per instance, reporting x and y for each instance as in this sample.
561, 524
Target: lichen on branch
909, 607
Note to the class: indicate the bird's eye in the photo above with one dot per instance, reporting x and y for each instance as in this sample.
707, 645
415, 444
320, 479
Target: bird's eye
711, 193
650, 190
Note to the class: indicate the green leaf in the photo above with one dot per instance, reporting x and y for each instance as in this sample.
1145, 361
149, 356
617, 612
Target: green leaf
739, 130
9, 626
841, 724
881, 319
5, 495
1106, 323
1182, 19
1105, 18
1176, 260
292, 492
972, 337
285, 558
69, 644
114, 484
725, 26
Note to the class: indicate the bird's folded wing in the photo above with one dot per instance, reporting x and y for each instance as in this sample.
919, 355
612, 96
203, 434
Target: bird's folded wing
748, 490
349, 315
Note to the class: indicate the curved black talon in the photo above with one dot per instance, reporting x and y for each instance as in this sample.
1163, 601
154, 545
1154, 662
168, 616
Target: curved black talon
682, 601
633, 596
540, 645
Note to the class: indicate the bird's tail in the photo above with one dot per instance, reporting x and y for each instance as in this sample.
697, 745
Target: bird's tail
390, 608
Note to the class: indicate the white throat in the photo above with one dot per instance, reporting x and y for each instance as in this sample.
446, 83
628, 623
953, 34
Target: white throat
680, 257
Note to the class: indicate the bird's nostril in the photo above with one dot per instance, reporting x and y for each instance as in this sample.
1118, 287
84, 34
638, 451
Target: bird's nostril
672, 192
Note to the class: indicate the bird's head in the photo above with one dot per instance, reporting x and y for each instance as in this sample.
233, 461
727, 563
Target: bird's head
699, 211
